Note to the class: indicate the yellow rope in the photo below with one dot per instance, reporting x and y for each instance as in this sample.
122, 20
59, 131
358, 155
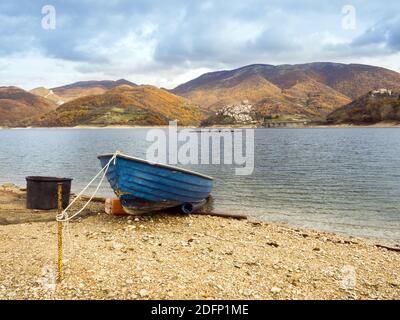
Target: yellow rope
64, 217
60, 235
60, 252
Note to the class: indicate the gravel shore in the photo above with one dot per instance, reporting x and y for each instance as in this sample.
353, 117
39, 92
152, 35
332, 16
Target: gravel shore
190, 257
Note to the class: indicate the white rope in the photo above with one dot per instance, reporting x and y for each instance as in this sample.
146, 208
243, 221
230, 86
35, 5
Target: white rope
63, 216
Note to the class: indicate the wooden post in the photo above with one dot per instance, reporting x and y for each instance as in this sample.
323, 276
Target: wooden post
59, 235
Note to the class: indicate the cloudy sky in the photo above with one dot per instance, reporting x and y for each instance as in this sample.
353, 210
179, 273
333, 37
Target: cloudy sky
167, 42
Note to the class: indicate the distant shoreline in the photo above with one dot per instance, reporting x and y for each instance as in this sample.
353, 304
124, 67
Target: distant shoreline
334, 126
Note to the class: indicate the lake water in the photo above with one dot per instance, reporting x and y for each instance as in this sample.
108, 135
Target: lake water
342, 180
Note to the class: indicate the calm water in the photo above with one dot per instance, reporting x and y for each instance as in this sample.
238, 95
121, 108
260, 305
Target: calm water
343, 180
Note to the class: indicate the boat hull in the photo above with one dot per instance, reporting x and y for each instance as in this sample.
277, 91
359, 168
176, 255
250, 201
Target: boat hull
144, 186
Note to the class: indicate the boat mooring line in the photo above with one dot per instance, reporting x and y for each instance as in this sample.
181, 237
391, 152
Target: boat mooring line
63, 216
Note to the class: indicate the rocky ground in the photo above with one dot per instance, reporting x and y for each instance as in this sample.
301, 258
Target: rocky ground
190, 257
13, 207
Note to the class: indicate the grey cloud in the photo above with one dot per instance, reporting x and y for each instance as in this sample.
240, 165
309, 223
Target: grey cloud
94, 35
385, 33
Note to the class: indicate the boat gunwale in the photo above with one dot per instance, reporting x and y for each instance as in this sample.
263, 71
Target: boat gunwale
157, 164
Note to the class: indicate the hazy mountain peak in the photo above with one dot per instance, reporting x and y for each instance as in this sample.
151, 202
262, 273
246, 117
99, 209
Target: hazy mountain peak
85, 88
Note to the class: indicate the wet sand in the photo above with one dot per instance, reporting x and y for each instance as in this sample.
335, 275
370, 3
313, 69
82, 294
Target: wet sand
184, 257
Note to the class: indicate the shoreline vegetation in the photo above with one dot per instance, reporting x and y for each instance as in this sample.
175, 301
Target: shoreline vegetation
375, 125
168, 256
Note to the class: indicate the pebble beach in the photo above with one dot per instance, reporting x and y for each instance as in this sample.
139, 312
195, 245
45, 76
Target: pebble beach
169, 256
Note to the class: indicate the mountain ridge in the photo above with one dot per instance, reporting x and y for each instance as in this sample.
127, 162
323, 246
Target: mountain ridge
335, 84
109, 84
124, 105
85, 88
308, 91
17, 104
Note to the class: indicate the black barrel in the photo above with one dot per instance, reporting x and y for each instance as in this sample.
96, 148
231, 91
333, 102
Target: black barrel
41, 192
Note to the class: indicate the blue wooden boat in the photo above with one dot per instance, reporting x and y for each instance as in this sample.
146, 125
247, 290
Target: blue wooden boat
143, 186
